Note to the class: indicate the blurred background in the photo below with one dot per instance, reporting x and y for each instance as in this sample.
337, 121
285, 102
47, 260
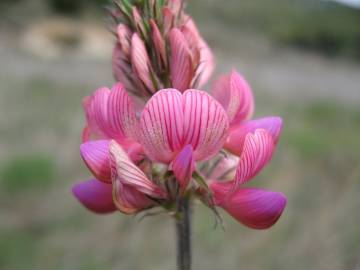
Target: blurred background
302, 58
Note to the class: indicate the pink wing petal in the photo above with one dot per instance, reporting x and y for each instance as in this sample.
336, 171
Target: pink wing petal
205, 124
93, 129
129, 174
121, 115
237, 134
161, 125
255, 208
258, 150
235, 94
95, 195
181, 67
96, 157
183, 166
128, 200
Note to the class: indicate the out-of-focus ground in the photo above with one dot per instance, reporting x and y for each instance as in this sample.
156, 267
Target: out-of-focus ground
48, 64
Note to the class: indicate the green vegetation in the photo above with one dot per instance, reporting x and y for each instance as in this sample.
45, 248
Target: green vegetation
27, 173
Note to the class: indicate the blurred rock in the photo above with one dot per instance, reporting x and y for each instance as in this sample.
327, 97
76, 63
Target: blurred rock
54, 38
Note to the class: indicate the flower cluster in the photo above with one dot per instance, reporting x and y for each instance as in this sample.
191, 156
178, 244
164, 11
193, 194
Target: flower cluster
182, 142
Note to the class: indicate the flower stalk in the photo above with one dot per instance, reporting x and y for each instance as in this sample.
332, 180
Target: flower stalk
183, 234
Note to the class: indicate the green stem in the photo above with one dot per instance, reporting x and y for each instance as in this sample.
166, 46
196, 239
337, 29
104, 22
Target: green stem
183, 233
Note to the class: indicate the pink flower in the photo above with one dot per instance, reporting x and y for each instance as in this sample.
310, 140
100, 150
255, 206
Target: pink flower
150, 158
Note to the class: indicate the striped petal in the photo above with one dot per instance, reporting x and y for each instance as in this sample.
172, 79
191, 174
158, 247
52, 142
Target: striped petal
258, 150
95, 196
184, 166
161, 125
121, 117
237, 135
181, 67
96, 157
235, 94
255, 208
125, 171
205, 124
128, 199
95, 112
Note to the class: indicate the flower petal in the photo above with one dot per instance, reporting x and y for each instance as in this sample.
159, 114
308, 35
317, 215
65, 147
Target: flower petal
161, 125
121, 115
205, 124
95, 195
125, 171
184, 166
96, 157
181, 67
237, 135
255, 208
128, 199
235, 94
141, 62
258, 150
91, 105
223, 167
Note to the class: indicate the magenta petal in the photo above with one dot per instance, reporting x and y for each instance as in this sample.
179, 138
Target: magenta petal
258, 150
205, 124
161, 125
237, 135
183, 166
95, 195
96, 157
255, 208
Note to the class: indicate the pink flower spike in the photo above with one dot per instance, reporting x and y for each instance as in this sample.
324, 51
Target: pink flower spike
161, 125
235, 94
237, 135
205, 124
125, 171
141, 62
255, 208
95, 196
183, 166
258, 150
181, 68
96, 157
